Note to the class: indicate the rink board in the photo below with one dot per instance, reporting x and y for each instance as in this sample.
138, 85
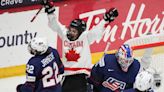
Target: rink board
20, 70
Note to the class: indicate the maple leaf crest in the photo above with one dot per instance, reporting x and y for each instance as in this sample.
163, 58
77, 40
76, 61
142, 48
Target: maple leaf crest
71, 55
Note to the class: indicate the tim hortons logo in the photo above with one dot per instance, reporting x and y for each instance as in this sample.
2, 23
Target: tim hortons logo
134, 27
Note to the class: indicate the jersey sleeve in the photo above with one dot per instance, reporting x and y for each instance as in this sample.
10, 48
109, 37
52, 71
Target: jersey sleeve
32, 71
56, 26
96, 32
59, 63
96, 77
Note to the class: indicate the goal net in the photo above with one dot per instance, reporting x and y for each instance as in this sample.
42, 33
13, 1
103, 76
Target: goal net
156, 42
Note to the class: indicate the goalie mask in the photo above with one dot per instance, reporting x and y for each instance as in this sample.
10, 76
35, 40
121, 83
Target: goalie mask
125, 57
144, 81
37, 46
76, 28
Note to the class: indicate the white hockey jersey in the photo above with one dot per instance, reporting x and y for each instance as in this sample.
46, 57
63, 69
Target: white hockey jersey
76, 55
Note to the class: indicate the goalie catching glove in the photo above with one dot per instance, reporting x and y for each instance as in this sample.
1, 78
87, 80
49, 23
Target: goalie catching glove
110, 15
49, 6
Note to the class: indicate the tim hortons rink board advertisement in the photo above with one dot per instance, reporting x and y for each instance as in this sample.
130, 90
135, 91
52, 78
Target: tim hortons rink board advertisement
136, 18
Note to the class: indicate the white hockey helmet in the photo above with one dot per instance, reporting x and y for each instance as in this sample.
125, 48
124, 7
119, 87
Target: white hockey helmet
38, 46
144, 81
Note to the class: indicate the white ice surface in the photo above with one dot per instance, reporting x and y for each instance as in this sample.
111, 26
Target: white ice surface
9, 84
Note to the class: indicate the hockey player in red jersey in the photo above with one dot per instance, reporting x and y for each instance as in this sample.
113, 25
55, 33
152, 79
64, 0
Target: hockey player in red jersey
76, 52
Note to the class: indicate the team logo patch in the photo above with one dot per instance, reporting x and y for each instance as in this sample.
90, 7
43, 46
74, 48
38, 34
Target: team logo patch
114, 84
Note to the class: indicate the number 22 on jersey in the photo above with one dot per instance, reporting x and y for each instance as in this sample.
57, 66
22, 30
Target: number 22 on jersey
50, 75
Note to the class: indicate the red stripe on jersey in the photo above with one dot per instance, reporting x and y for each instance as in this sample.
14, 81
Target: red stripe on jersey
75, 69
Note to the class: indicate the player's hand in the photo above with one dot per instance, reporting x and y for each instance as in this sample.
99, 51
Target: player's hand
110, 15
49, 6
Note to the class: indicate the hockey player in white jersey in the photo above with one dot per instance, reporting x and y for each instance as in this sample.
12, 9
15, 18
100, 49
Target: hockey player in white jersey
76, 52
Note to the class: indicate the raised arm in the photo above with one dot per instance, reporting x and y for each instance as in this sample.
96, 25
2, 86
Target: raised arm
54, 24
97, 32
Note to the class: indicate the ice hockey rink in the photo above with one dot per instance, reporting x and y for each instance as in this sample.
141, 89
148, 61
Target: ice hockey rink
136, 19
9, 84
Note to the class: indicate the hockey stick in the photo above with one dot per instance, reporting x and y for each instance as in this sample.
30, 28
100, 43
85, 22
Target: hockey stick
42, 3
34, 17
